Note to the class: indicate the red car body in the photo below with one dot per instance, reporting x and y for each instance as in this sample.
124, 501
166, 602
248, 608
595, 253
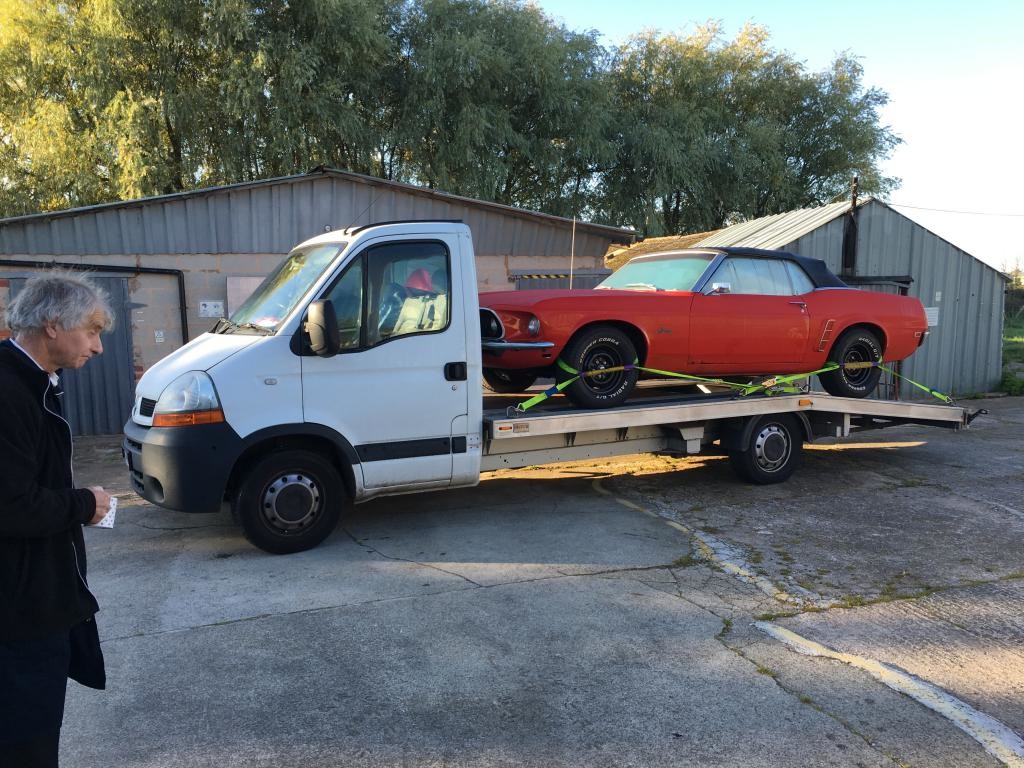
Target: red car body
712, 329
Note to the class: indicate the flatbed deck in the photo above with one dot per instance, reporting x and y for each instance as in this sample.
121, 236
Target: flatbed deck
678, 421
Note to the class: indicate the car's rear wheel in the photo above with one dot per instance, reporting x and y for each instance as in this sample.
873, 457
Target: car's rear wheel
857, 345
503, 382
592, 351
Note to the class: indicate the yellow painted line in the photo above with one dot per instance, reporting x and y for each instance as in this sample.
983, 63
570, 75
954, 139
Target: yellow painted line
707, 551
997, 738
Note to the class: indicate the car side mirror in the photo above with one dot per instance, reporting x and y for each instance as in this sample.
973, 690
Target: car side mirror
321, 329
721, 288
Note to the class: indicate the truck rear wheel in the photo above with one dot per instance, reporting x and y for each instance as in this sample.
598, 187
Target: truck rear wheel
776, 443
290, 501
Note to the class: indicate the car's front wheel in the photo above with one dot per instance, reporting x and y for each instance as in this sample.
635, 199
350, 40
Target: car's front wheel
857, 345
598, 354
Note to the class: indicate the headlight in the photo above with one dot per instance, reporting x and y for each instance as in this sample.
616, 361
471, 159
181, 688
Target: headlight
189, 399
533, 327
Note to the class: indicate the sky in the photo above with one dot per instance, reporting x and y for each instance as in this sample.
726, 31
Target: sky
954, 73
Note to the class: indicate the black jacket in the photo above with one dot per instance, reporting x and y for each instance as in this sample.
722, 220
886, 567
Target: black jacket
42, 551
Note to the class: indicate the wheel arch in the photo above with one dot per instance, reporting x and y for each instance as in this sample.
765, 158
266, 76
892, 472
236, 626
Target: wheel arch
636, 336
875, 328
308, 437
735, 434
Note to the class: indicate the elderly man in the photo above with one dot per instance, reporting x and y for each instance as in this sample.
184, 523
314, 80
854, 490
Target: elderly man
47, 632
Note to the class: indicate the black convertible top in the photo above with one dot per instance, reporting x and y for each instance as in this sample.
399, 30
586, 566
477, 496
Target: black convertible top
820, 274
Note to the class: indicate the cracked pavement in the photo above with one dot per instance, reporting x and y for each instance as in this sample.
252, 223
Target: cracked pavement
534, 621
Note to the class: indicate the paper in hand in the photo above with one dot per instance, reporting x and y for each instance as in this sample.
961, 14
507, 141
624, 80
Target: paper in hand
108, 519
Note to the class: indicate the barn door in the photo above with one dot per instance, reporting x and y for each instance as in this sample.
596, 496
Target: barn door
98, 398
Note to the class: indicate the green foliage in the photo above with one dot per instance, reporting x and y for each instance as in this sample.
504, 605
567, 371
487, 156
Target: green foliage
1013, 353
112, 99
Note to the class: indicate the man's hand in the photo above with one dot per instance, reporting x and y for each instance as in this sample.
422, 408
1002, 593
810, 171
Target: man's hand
102, 503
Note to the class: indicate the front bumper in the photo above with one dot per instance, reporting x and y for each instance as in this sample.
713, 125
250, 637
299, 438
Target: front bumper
181, 468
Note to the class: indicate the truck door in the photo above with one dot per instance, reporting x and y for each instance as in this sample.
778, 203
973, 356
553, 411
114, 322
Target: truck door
399, 382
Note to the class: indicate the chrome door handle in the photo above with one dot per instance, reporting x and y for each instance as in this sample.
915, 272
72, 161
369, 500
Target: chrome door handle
801, 304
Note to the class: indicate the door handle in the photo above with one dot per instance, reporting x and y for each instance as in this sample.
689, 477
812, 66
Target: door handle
455, 371
801, 304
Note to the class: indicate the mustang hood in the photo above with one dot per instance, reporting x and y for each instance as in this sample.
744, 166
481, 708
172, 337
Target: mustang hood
525, 300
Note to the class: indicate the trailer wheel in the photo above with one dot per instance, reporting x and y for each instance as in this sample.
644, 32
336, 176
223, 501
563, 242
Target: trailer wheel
595, 349
776, 443
857, 345
290, 501
503, 382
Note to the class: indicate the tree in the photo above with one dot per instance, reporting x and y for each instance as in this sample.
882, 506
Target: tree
111, 99
711, 132
501, 104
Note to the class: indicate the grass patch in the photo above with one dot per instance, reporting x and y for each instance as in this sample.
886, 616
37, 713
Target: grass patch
1013, 340
686, 561
1013, 352
762, 670
756, 557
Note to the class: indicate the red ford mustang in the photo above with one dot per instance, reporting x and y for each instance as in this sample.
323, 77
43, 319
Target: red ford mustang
706, 312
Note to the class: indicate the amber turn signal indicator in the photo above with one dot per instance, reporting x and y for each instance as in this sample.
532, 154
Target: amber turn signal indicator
188, 419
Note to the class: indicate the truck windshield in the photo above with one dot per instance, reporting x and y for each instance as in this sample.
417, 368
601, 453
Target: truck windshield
663, 272
281, 291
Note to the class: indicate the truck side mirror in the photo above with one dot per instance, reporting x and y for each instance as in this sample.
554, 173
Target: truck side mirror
321, 328
721, 288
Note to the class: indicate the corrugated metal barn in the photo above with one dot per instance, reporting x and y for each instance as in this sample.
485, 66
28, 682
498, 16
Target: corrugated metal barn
875, 247
175, 263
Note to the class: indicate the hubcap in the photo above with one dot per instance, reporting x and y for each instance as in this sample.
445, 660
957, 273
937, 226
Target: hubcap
291, 502
858, 353
599, 359
772, 448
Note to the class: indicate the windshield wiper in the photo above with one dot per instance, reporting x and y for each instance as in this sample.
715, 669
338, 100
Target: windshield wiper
262, 329
224, 325
645, 286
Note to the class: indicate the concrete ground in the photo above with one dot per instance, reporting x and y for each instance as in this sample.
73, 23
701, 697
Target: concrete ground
645, 611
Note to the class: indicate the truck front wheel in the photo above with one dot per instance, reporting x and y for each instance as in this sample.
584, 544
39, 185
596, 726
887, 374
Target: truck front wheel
290, 501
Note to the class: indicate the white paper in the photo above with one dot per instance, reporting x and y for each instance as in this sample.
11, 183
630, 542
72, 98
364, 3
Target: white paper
108, 519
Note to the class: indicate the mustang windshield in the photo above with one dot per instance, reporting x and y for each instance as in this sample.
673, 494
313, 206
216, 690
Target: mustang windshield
277, 296
667, 272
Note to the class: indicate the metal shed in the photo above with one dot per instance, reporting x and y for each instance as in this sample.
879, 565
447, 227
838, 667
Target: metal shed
875, 247
178, 262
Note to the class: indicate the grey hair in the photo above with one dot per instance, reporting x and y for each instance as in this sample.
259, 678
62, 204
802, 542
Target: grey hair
62, 297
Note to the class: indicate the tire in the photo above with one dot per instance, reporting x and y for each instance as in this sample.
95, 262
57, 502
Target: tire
592, 349
503, 382
776, 444
290, 501
857, 345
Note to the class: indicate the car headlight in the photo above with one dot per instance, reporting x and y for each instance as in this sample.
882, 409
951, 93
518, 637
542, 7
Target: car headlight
189, 399
533, 326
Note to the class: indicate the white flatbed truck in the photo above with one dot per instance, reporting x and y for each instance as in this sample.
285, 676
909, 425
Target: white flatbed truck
329, 386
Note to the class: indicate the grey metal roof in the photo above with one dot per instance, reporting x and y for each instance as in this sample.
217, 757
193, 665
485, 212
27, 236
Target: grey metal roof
614, 233
774, 232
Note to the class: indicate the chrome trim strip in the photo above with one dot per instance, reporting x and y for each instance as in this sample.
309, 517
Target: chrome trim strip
498, 345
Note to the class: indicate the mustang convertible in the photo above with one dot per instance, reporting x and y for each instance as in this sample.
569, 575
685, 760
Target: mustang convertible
721, 312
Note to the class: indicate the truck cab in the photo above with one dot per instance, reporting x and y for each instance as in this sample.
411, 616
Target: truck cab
352, 370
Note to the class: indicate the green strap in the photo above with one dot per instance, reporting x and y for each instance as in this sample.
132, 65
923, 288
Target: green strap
770, 386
